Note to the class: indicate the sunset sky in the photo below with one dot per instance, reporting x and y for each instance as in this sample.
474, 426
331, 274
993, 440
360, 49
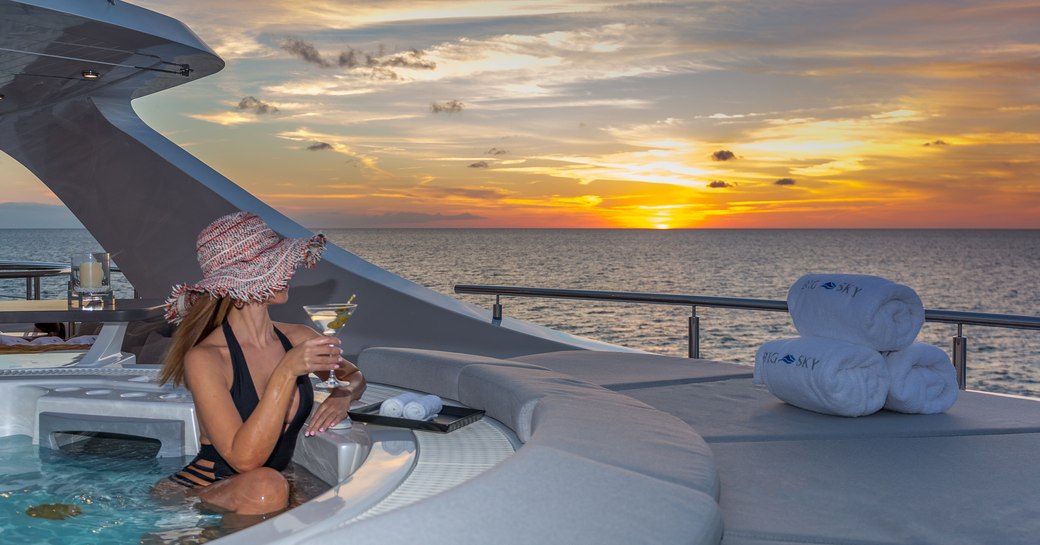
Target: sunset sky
695, 114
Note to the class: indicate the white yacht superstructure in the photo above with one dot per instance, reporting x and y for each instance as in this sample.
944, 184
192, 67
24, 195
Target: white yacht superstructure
582, 442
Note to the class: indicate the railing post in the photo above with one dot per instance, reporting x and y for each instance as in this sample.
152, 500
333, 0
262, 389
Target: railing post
695, 334
960, 357
496, 310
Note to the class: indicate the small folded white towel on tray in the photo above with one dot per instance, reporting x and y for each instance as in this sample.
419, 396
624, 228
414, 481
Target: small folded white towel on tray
924, 380
861, 309
424, 408
394, 406
824, 375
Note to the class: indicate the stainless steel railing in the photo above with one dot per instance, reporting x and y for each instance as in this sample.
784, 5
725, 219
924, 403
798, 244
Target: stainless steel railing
960, 319
32, 272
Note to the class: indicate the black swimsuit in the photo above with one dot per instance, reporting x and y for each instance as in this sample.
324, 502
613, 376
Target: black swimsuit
209, 466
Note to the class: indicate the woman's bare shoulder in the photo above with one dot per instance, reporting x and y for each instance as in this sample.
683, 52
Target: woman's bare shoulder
210, 355
297, 333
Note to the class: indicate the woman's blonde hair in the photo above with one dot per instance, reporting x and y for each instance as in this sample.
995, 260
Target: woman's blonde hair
201, 319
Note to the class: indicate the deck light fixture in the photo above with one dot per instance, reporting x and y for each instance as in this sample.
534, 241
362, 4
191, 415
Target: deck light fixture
2, 96
91, 75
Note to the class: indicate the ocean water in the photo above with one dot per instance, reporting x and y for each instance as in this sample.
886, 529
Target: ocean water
991, 271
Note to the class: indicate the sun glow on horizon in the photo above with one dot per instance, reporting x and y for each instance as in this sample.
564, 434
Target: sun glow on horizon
598, 115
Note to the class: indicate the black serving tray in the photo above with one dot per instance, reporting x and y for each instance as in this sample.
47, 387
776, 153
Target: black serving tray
448, 420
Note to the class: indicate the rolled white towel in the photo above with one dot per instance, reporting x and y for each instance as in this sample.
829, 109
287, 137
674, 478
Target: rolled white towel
394, 406
862, 309
823, 375
8, 340
83, 339
49, 339
924, 380
424, 408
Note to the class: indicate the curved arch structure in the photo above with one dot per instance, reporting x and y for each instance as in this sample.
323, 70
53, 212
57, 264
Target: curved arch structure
145, 199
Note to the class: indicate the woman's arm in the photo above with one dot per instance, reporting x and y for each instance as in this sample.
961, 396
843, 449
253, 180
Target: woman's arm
334, 409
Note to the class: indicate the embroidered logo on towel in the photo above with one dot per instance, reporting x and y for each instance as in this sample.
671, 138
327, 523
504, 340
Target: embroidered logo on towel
807, 362
845, 288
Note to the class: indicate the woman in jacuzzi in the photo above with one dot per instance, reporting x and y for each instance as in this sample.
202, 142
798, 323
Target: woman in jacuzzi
247, 373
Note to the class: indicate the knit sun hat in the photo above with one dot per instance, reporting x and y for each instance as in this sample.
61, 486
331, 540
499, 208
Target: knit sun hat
242, 258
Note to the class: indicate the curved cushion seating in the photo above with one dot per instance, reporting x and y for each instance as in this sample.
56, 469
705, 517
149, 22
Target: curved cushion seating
641, 439
596, 466
531, 499
559, 411
431, 371
510, 394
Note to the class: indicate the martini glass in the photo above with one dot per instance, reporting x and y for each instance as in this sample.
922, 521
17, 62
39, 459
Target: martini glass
331, 318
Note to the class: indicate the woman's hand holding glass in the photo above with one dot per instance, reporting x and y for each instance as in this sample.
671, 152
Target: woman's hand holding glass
319, 354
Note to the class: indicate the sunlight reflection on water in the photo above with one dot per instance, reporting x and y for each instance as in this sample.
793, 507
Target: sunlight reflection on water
981, 270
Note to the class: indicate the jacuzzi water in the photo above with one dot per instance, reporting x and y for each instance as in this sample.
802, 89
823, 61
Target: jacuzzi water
109, 481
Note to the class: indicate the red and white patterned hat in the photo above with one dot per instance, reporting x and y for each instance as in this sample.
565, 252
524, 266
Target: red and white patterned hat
242, 258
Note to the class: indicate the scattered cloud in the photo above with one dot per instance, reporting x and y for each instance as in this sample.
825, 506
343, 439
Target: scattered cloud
723, 155
485, 194
479, 164
319, 146
256, 106
451, 107
305, 51
830, 94
413, 58
418, 218
339, 144
379, 65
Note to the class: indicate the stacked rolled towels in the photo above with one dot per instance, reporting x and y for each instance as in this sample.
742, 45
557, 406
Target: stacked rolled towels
857, 308
824, 375
412, 406
923, 380
856, 353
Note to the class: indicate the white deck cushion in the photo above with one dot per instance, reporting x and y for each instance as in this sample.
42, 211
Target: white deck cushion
609, 428
509, 394
430, 371
735, 410
623, 370
545, 496
963, 490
